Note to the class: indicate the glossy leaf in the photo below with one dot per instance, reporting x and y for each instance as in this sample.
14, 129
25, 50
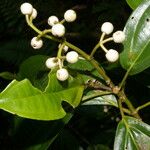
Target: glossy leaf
134, 3
24, 100
100, 100
135, 58
132, 134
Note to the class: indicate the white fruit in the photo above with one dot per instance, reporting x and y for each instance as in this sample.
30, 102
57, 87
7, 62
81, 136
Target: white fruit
118, 36
58, 30
26, 8
65, 48
34, 13
52, 20
112, 55
72, 57
51, 62
70, 15
62, 74
107, 28
36, 43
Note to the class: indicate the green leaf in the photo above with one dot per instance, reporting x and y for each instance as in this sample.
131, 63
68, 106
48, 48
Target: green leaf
85, 69
82, 64
23, 99
36, 135
38, 75
66, 141
135, 58
7, 75
132, 134
35, 63
100, 100
134, 3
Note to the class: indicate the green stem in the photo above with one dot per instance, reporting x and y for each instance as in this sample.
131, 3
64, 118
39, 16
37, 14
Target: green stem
120, 107
92, 61
103, 47
96, 94
94, 50
126, 111
62, 21
142, 106
102, 37
31, 25
107, 40
132, 109
99, 44
60, 51
38, 31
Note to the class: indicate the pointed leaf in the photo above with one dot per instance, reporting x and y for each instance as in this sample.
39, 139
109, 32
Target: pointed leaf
132, 134
23, 99
7, 75
134, 3
100, 100
135, 57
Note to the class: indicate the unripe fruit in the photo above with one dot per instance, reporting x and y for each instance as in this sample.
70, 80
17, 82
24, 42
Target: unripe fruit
52, 20
118, 36
36, 43
65, 48
107, 28
51, 62
72, 57
26, 8
34, 13
58, 30
112, 55
70, 15
62, 74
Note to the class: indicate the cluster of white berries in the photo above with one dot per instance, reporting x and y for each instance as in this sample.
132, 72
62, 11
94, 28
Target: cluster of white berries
62, 73
118, 37
57, 27
58, 30
27, 9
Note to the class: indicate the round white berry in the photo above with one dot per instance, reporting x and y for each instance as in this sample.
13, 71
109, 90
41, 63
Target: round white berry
70, 15
107, 28
26, 8
62, 74
118, 36
34, 13
51, 62
58, 30
72, 57
36, 43
112, 55
65, 48
52, 20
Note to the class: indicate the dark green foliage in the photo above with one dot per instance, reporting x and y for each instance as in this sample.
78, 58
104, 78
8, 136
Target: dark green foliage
90, 128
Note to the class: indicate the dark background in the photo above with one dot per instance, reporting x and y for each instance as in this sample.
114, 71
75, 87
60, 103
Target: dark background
90, 126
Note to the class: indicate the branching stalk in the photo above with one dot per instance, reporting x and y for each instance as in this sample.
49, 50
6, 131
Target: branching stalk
121, 95
142, 106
